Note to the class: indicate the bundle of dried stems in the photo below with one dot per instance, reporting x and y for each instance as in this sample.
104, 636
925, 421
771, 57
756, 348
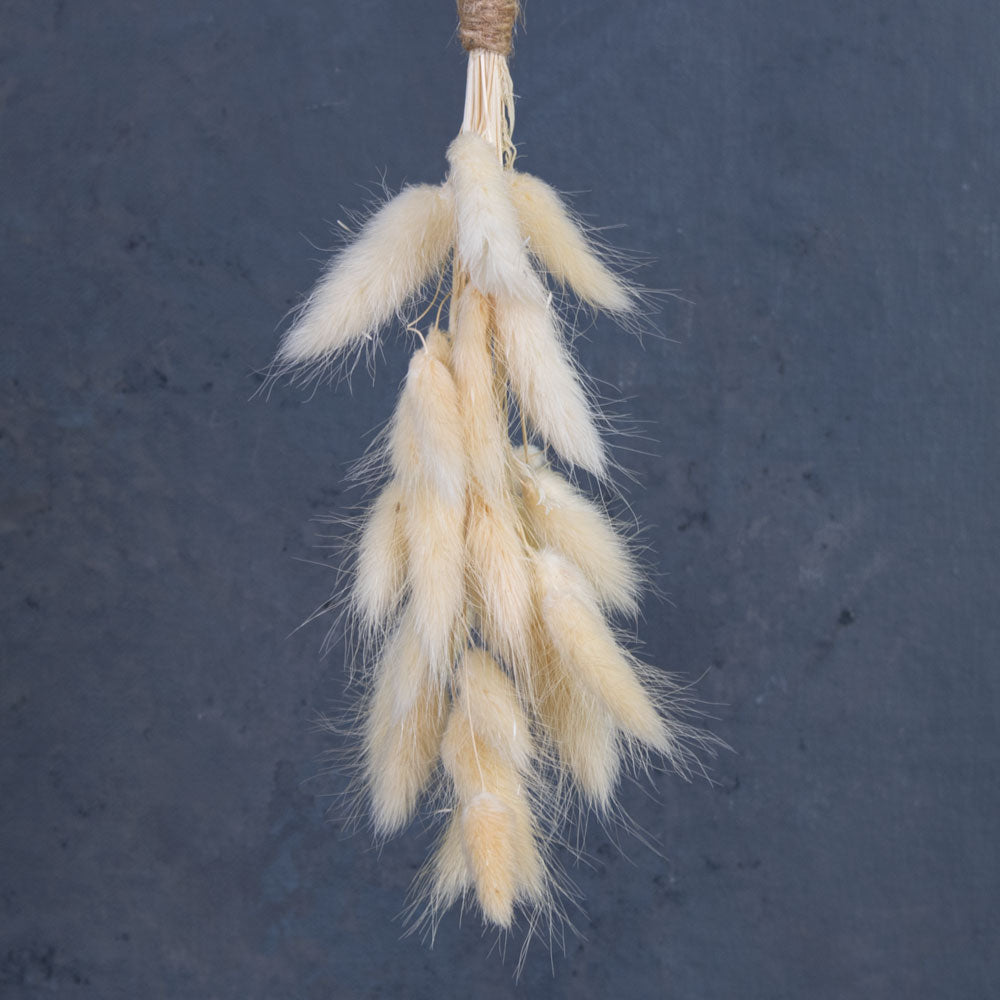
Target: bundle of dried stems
485, 581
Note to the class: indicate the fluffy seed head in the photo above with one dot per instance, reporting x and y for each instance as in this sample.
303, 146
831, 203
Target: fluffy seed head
435, 574
403, 729
381, 563
427, 455
488, 835
486, 751
581, 637
578, 725
451, 873
559, 242
500, 580
560, 516
426, 442
398, 250
486, 438
494, 713
488, 242
545, 382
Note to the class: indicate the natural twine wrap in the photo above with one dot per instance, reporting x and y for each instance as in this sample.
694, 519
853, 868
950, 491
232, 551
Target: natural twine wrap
487, 24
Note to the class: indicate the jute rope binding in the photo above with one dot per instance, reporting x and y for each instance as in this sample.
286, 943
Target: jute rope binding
487, 24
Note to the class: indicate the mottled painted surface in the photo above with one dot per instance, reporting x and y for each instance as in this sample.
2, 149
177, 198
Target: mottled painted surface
817, 180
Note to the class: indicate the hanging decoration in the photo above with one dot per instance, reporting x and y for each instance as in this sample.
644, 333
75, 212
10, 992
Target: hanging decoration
498, 691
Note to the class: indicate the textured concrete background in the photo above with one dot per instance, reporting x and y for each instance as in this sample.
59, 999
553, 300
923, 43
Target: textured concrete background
819, 180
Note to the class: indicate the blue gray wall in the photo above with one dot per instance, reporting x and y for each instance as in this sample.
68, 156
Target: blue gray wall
817, 180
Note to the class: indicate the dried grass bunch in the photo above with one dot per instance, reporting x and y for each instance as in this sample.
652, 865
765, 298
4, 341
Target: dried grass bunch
486, 583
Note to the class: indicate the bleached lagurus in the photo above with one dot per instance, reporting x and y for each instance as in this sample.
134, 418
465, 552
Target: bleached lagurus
499, 692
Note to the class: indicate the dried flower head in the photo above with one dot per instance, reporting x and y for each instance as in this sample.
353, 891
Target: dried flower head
485, 581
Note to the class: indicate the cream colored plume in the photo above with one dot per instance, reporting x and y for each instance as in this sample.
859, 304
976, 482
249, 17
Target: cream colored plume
562, 247
487, 754
488, 241
402, 731
486, 439
380, 572
426, 451
560, 516
583, 641
500, 581
426, 445
398, 251
578, 725
545, 382
449, 873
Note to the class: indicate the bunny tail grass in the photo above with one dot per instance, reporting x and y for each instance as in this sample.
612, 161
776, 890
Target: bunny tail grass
560, 516
583, 641
380, 573
499, 700
427, 456
488, 240
426, 445
545, 382
578, 725
398, 250
487, 754
403, 727
561, 246
486, 439
500, 582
